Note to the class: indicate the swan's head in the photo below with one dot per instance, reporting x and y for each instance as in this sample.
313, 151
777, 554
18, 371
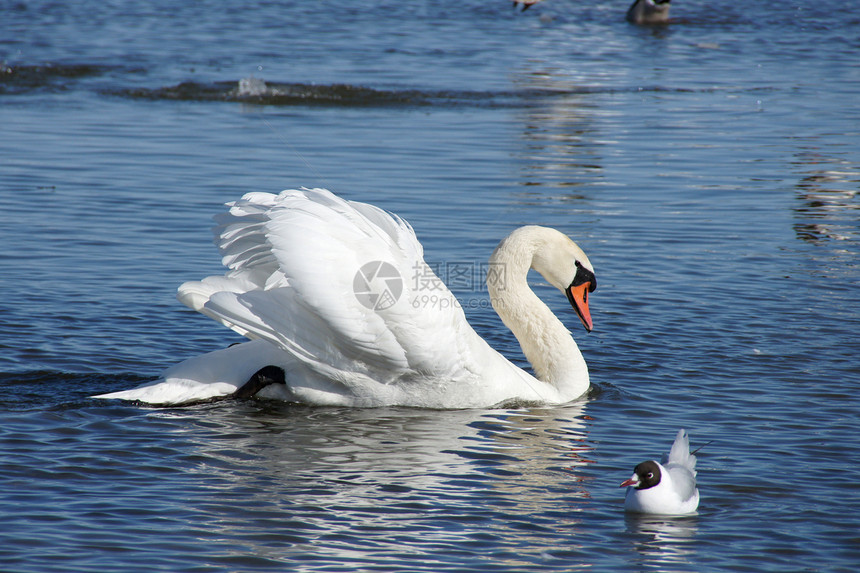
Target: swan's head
561, 262
568, 269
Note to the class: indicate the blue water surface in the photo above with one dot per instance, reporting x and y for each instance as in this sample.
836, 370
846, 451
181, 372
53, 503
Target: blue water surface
710, 168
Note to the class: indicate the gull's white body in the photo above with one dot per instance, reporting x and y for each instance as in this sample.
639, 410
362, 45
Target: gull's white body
676, 493
293, 259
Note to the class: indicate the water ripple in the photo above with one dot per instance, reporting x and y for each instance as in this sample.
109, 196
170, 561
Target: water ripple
256, 91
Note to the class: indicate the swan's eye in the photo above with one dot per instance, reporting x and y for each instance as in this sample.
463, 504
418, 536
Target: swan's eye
583, 275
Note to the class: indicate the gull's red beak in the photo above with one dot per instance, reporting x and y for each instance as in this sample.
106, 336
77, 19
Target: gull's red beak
634, 480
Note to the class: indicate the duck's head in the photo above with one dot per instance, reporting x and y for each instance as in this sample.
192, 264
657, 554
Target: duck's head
645, 12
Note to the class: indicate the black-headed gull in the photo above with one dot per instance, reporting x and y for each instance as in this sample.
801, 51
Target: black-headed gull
666, 488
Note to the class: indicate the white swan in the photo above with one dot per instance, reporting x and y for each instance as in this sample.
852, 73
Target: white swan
331, 292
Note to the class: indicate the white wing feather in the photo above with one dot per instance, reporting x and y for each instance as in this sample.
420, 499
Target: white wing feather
681, 464
303, 301
294, 261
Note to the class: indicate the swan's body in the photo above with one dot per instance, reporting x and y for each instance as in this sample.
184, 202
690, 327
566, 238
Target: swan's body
328, 291
667, 488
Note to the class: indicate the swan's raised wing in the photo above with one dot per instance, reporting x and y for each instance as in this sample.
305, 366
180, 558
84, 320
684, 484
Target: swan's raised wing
331, 282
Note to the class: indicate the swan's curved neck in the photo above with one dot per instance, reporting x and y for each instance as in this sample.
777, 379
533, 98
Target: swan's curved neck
545, 341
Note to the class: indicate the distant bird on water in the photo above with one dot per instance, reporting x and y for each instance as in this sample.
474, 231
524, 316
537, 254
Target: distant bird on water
641, 12
666, 488
647, 12
526, 4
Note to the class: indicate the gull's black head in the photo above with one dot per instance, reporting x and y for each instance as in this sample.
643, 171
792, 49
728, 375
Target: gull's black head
648, 474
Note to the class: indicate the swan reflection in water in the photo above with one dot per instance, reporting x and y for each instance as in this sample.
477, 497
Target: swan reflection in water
297, 483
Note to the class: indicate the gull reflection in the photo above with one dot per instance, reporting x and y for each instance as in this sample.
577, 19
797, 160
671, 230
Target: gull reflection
663, 542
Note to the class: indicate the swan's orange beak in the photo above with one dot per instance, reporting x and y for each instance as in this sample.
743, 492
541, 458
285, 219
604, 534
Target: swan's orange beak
578, 297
